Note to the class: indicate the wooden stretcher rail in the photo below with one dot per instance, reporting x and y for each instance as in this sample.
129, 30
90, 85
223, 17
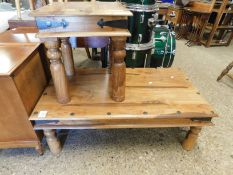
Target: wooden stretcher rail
113, 124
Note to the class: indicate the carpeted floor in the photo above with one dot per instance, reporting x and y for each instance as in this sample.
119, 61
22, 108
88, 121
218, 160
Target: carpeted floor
147, 151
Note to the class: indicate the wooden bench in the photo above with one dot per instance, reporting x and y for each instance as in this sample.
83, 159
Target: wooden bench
154, 98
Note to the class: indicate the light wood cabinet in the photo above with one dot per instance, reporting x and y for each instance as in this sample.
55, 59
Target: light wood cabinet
22, 81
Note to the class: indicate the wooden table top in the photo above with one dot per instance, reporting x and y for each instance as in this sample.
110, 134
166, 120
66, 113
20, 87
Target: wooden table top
13, 56
19, 36
82, 19
195, 10
150, 93
83, 9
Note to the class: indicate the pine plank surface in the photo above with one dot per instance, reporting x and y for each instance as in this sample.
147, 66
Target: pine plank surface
83, 9
150, 94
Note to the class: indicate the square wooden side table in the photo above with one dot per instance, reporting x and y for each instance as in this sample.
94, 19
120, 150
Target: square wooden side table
83, 19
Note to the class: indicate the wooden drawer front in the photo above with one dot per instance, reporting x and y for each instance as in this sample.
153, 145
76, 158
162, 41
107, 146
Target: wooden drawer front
74, 24
30, 81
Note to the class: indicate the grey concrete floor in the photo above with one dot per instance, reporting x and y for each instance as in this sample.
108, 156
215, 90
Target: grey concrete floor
147, 151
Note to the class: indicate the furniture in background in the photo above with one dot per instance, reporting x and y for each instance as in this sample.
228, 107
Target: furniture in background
155, 98
219, 29
192, 24
174, 14
193, 20
209, 24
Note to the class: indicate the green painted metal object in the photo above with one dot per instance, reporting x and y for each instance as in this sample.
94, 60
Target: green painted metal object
138, 55
139, 27
138, 58
164, 47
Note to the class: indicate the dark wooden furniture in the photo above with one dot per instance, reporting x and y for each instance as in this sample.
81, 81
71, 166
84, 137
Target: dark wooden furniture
174, 14
83, 19
22, 80
210, 24
193, 21
219, 30
154, 98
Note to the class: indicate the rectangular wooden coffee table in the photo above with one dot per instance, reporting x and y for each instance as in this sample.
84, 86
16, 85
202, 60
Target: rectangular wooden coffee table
154, 98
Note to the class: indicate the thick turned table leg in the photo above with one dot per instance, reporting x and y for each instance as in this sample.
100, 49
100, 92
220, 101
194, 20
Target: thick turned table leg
118, 68
67, 56
53, 142
57, 71
191, 138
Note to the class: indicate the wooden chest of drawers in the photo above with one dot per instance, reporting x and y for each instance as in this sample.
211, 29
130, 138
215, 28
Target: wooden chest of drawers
22, 80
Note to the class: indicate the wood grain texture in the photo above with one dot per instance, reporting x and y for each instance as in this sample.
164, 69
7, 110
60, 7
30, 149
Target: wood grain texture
19, 144
191, 138
57, 71
21, 86
25, 21
201, 6
83, 9
13, 56
118, 68
30, 81
87, 33
53, 142
150, 93
82, 18
19, 36
121, 123
67, 56
14, 122
80, 23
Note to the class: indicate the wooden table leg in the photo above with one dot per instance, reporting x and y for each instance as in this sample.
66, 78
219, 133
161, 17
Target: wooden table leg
191, 138
225, 71
67, 56
57, 71
53, 142
118, 68
39, 149
110, 57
